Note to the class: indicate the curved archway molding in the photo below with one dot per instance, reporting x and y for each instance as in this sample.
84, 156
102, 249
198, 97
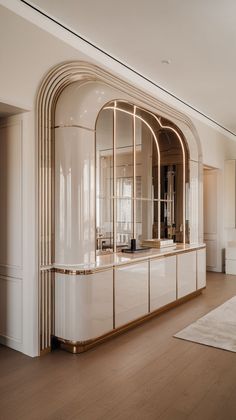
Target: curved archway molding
52, 86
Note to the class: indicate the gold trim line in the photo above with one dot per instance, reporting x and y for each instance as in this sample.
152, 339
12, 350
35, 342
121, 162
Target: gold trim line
139, 259
82, 272
82, 346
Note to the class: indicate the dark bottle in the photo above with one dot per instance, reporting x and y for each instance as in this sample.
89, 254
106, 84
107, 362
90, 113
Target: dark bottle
133, 244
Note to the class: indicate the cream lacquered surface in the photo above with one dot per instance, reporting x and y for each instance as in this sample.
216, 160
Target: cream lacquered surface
201, 268
162, 282
83, 306
115, 259
80, 103
74, 196
186, 274
75, 117
131, 292
88, 306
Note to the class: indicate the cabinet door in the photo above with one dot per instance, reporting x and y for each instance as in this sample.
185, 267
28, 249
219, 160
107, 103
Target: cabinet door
186, 273
162, 282
131, 292
201, 268
83, 305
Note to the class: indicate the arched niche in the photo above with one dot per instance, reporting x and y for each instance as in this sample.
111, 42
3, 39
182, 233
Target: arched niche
142, 175
70, 98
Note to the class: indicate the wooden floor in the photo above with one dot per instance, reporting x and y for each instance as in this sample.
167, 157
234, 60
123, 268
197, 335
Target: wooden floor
143, 374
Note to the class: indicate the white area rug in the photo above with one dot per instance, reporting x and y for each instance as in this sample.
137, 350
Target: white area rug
216, 329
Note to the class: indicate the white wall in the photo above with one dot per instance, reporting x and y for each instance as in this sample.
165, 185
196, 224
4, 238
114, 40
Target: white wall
216, 148
27, 53
18, 268
11, 214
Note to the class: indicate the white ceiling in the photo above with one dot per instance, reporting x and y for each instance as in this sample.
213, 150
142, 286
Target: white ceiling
198, 36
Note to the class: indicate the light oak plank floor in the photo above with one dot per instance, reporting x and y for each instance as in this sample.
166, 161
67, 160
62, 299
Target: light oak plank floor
143, 374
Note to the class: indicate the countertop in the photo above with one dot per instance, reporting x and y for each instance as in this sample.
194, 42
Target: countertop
107, 261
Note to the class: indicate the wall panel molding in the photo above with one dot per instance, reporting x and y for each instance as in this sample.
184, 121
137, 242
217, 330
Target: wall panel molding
11, 194
11, 227
11, 311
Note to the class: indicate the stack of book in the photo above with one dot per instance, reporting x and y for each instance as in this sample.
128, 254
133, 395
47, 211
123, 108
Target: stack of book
159, 243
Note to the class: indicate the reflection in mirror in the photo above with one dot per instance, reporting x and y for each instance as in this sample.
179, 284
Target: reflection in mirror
104, 181
171, 185
146, 219
124, 152
104, 228
124, 155
146, 160
124, 222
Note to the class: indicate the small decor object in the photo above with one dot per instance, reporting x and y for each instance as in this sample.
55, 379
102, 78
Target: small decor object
133, 247
159, 243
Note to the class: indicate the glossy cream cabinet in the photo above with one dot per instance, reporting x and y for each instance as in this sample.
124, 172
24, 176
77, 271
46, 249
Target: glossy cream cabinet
201, 268
74, 196
93, 304
162, 282
83, 305
131, 292
186, 273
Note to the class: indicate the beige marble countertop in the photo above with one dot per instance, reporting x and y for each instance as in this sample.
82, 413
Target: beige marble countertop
106, 261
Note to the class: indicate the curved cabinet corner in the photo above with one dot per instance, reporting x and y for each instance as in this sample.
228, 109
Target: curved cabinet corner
83, 305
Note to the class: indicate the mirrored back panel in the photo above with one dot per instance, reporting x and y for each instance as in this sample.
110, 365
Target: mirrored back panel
142, 178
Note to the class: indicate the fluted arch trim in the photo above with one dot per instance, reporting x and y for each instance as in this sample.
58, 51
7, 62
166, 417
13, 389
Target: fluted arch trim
53, 84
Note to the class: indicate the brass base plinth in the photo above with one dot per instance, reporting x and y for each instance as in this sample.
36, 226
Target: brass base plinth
77, 347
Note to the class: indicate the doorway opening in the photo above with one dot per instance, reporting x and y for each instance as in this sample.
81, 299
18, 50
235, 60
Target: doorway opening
211, 217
